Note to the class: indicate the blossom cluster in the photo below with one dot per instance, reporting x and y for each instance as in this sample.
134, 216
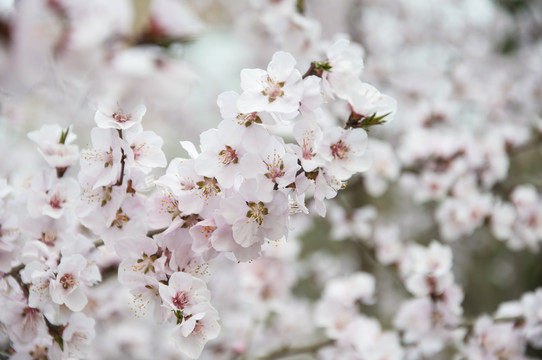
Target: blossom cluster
237, 192
119, 243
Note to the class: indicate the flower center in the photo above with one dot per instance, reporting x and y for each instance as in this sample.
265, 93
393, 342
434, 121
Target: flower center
120, 219
207, 230
273, 90
248, 119
180, 300
56, 201
28, 311
187, 184
208, 186
339, 150
121, 117
67, 281
39, 353
139, 150
145, 263
228, 156
257, 211
306, 151
170, 206
48, 237
275, 168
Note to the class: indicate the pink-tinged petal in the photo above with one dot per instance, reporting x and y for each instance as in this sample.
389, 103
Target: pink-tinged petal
248, 253
229, 175
312, 94
361, 163
245, 232
258, 138
201, 234
166, 293
133, 246
188, 326
233, 208
252, 101
281, 66
227, 102
356, 140
232, 132
222, 238
206, 165
190, 149
191, 203
102, 138
76, 300
138, 112
285, 104
180, 281
251, 80
209, 140
72, 264
276, 227
112, 116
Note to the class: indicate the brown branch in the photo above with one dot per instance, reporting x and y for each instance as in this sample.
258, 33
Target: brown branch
122, 163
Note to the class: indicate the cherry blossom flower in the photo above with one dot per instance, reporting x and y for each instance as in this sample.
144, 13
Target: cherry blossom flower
193, 333
193, 193
101, 165
67, 287
491, 339
77, 336
53, 198
227, 103
113, 222
415, 318
146, 148
367, 101
140, 255
345, 151
342, 67
23, 323
279, 89
253, 220
280, 167
359, 286
308, 135
183, 293
54, 144
225, 160
427, 270
112, 116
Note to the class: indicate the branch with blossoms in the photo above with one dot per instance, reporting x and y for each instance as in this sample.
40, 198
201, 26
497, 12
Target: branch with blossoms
104, 254
240, 190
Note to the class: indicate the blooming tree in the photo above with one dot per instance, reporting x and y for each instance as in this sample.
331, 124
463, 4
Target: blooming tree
313, 218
